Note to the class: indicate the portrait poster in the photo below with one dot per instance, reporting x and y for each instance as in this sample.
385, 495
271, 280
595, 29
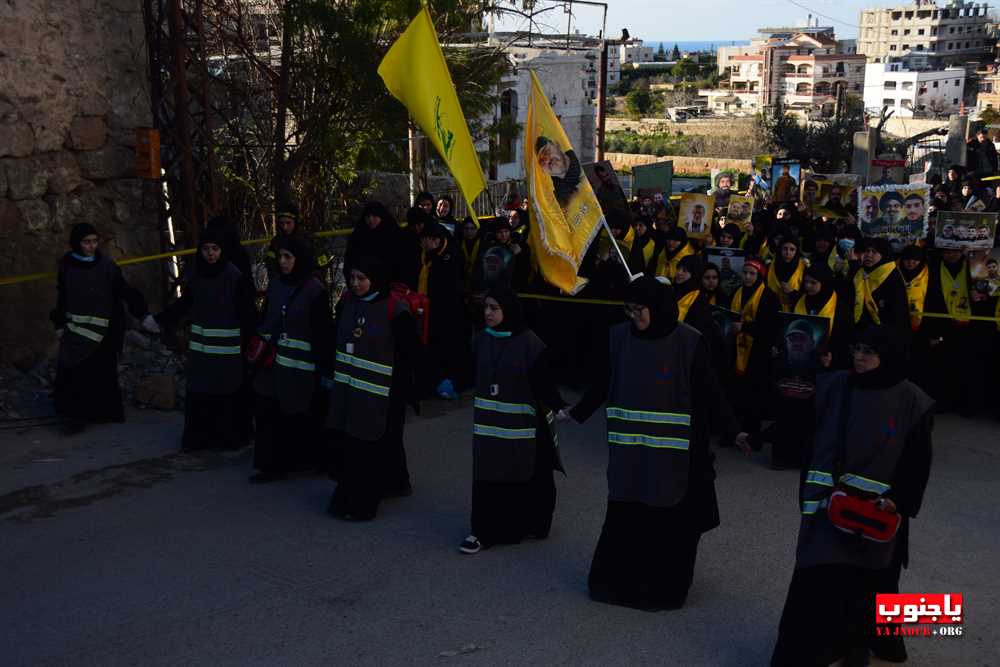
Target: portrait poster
604, 181
984, 267
894, 212
565, 213
965, 230
785, 177
830, 195
658, 176
729, 262
725, 319
696, 214
740, 211
725, 182
801, 340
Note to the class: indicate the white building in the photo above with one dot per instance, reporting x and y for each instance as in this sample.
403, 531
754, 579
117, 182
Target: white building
566, 77
633, 51
913, 93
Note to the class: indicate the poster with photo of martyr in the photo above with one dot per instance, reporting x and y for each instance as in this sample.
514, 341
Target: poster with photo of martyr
965, 230
696, 214
830, 195
785, 176
894, 212
740, 211
984, 267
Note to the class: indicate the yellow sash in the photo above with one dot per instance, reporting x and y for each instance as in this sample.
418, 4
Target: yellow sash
647, 253
748, 313
829, 311
425, 267
470, 258
684, 303
711, 299
668, 267
865, 285
916, 293
956, 295
795, 282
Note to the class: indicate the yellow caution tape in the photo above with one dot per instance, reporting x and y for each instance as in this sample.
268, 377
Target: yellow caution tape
567, 299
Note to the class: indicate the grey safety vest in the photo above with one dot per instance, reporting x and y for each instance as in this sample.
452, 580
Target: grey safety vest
505, 412
292, 377
878, 424
215, 361
649, 416
362, 376
89, 301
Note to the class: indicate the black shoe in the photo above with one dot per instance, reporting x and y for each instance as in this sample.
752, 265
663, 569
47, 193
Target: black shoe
470, 545
265, 477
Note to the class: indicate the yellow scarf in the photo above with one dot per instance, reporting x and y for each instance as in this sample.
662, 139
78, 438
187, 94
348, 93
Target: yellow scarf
685, 302
956, 295
604, 246
425, 267
865, 285
916, 293
829, 311
668, 267
470, 258
744, 342
795, 282
711, 299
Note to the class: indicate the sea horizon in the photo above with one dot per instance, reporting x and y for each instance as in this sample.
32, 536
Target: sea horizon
695, 45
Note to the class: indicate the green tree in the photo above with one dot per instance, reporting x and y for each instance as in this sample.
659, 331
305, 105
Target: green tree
675, 55
824, 146
684, 69
661, 54
639, 100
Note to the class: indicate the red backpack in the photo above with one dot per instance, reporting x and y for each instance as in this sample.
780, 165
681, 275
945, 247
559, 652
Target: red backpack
419, 305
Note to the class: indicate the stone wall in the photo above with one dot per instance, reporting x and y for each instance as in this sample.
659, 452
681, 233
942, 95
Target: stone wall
73, 88
683, 166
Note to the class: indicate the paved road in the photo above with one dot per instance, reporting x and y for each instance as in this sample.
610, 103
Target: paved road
117, 550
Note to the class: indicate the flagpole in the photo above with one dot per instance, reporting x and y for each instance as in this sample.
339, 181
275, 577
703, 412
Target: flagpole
631, 276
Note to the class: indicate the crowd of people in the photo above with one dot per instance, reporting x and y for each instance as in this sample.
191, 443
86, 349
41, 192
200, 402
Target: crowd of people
432, 309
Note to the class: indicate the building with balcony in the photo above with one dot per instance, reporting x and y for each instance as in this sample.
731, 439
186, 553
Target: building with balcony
803, 73
927, 35
989, 91
922, 93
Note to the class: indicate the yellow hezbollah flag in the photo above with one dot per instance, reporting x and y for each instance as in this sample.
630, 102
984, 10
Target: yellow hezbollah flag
415, 73
564, 209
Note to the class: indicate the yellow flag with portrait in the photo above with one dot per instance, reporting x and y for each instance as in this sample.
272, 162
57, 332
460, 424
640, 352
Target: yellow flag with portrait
565, 213
415, 72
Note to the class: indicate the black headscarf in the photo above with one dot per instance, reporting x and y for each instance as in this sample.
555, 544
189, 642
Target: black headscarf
879, 244
783, 269
675, 234
217, 236
305, 261
79, 232
717, 292
619, 219
662, 304
732, 230
912, 252
377, 273
892, 367
513, 314
693, 265
822, 273
379, 209
418, 216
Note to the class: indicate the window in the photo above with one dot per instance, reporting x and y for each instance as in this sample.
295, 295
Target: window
954, 100
935, 84
508, 110
966, 45
921, 31
888, 101
957, 82
889, 85
906, 32
857, 87
906, 47
951, 31
907, 85
894, 33
892, 47
920, 47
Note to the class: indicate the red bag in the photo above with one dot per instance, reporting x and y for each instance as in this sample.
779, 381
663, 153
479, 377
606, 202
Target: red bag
420, 308
861, 516
260, 352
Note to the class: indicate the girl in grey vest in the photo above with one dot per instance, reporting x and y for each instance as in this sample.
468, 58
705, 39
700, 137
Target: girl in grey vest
296, 326
513, 443
873, 437
90, 324
662, 399
219, 301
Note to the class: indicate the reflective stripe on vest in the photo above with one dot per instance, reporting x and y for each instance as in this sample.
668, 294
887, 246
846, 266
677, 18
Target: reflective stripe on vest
819, 477
200, 334
660, 430
504, 433
295, 344
294, 363
355, 383
287, 353
364, 364
864, 483
506, 408
657, 442
810, 506
87, 319
86, 333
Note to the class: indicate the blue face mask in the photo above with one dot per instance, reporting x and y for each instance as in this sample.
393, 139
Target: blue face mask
845, 246
498, 334
83, 258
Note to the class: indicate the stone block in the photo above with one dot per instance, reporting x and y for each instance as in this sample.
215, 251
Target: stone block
87, 133
89, 207
31, 177
157, 391
16, 139
3, 182
108, 162
35, 214
64, 173
48, 139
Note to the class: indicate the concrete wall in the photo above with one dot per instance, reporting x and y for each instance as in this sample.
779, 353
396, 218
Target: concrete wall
683, 166
73, 87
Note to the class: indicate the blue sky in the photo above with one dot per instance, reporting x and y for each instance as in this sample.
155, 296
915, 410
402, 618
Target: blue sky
687, 20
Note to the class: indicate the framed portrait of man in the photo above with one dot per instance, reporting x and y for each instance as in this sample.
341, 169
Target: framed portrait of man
696, 214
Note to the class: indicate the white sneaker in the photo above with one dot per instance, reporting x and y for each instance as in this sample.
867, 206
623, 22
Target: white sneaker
470, 545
